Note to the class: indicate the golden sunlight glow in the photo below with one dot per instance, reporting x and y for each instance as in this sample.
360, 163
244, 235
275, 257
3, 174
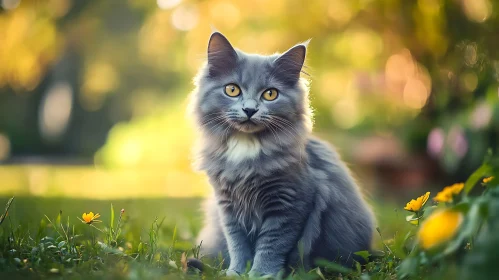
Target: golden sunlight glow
360, 46
334, 84
340, 11
38, 180
114, 183
28, 45
429, 7
155, 34
225, 14
160, 143
100, 79
59, 8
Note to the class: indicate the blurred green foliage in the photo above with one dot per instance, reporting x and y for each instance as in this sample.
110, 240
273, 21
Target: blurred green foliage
108, 80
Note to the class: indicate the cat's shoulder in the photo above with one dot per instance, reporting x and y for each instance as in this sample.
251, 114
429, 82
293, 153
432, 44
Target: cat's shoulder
320, 149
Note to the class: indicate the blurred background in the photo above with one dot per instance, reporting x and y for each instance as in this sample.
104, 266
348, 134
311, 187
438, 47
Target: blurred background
93, 93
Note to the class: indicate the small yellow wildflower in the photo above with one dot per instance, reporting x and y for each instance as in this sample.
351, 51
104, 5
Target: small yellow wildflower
488, 179
448, 193
417, 204
439, 228
90, 218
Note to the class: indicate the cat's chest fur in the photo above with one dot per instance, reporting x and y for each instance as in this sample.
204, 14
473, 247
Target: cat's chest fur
243, 188
241, 147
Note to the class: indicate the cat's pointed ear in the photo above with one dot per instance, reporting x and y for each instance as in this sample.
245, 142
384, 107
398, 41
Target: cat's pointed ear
222, 58
291, 62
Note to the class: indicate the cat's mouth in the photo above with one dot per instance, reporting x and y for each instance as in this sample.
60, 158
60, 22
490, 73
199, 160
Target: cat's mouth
249, 126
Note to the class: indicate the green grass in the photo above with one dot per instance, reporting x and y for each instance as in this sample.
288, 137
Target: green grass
44, 237
151, 238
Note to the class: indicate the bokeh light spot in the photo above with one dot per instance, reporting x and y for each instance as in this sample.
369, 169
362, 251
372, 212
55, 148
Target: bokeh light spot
340, 11
55, 111
481, 116
10, 4
429, 7
469, 81
4, 147
436, 140
399, 67
346, 113
470, 54
100, 79
415, 94
457, 141
477, 10
185, 17
167, 4
225, 14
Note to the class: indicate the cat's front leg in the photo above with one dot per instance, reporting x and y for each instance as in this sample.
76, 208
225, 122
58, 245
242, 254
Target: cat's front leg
238, 245
277, 238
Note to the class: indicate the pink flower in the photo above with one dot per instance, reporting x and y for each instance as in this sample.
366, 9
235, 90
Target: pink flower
435, 143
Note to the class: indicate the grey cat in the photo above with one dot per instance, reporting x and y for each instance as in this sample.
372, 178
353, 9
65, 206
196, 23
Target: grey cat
281, 197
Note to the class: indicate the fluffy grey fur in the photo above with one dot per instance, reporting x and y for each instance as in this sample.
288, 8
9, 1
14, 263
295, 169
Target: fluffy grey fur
276, 189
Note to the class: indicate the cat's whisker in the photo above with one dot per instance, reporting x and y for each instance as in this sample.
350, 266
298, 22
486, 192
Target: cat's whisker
212, 120
284, 121
219, 125
295, 136
269, 126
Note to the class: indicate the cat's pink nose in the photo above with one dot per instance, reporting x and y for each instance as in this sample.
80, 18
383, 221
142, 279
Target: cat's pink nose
249, 112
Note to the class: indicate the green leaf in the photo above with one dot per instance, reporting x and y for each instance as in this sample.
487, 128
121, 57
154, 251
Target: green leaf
62, 243
365, 276
482, 171
112, 217
110, 250
319, 273
332, 266
364, 254
174, 238
407, 268
58, 219
413, 219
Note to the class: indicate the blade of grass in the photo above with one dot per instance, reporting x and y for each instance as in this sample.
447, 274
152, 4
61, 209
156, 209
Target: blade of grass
6, 212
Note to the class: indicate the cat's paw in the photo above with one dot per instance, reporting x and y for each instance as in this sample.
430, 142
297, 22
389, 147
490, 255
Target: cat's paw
232, 273
253, 274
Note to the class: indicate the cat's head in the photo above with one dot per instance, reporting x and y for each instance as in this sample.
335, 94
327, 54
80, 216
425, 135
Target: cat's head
249, 93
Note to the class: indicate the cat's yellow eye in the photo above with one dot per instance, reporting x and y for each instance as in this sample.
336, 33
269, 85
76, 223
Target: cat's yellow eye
270, 94
232, 90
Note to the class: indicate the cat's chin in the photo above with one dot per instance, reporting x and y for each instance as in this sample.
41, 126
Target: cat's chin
249, 127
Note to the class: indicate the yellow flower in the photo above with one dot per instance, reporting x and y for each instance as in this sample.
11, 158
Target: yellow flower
90, 218
488, 179
448, 193
417, 204
439, 228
